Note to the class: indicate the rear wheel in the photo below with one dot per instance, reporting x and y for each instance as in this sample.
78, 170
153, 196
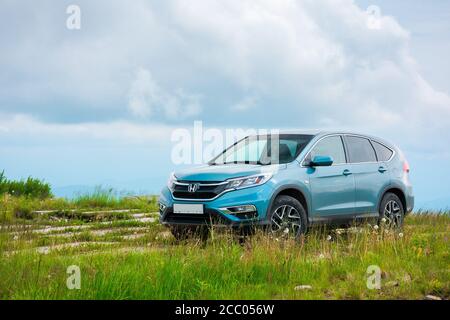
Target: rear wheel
287, 218
391, 211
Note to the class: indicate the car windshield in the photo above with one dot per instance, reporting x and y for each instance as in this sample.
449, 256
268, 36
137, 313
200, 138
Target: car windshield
264, 150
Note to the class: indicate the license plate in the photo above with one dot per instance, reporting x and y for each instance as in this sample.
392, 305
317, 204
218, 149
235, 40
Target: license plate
188, 208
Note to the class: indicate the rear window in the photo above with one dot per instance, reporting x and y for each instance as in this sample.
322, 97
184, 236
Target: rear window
360, 150
383, 153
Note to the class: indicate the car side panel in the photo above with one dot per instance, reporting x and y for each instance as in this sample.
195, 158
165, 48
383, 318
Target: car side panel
369, 181
400, 179
332, 192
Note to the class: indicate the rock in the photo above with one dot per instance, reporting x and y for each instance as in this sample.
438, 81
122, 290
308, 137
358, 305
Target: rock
303, 287
431, 297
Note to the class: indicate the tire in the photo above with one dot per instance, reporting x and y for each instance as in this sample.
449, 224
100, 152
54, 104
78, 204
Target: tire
287, 218
182, 233
391, 212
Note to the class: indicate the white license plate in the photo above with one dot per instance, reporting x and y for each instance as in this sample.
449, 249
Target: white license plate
188, 208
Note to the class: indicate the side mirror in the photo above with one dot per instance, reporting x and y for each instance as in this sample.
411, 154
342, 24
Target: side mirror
321, 161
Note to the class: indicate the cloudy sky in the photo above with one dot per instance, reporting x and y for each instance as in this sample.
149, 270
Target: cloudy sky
98, 105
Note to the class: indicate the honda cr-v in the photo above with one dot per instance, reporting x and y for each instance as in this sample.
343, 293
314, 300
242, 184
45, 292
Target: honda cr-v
291, 181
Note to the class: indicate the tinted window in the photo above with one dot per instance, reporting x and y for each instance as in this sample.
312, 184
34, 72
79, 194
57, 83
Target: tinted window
383, 153
360, 150
258, 149
332, 147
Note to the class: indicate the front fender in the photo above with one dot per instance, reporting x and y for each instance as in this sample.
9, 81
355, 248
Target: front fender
293, 185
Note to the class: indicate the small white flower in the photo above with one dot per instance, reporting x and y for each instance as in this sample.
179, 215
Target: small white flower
383, 220
375, 227
338, 232
329, 238
321, 256
400, 235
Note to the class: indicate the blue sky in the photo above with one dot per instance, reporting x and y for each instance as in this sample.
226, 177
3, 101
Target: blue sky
98, 105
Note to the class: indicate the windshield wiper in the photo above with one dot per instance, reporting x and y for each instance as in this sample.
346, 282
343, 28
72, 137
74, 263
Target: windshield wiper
240, 162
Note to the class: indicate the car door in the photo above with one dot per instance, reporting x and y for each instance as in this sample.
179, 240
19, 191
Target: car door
370, 175
332, 187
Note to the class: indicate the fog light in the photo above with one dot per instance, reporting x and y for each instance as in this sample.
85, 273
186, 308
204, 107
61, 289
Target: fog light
162, 207
243, 212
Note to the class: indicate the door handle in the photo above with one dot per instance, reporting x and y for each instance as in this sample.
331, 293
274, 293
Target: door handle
382, 169
346, 172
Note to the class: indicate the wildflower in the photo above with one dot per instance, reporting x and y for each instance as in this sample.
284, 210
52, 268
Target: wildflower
383, 220
338, 232
329, 238
400, 235
375, 227
321, 256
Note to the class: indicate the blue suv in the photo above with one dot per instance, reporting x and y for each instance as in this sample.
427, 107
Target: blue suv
289, 182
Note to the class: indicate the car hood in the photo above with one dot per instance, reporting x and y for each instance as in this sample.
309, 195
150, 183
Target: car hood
224, 172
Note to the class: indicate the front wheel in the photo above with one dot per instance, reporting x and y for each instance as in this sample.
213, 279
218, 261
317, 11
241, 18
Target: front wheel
391, 211
287, 218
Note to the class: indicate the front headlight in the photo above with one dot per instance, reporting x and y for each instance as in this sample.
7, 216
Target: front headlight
171, 181
251, 181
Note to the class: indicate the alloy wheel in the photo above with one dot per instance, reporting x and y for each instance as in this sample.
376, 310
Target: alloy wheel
286, 222
393, 214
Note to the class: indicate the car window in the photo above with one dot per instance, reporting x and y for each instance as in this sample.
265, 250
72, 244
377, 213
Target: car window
360, 150
258, 149
291, 145
249, 151
331, 146
383, 153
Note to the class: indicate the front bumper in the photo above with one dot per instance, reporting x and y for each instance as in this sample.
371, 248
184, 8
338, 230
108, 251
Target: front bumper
214, 213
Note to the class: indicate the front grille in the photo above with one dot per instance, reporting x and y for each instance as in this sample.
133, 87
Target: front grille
206, 190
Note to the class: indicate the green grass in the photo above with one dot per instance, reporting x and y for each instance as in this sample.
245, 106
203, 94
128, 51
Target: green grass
24, 207
414, 264
31, 187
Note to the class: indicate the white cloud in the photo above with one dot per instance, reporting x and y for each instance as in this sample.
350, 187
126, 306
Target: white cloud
23, 129
249, 102
146, 97
305, 63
